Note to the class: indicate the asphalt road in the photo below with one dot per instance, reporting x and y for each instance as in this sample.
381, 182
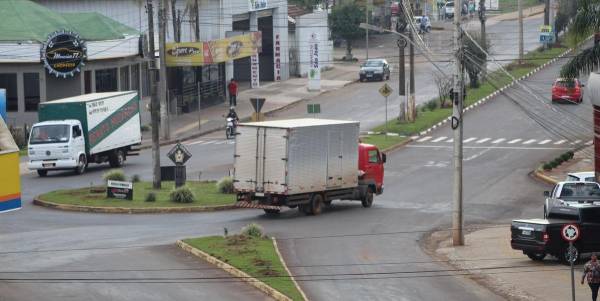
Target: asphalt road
370, 254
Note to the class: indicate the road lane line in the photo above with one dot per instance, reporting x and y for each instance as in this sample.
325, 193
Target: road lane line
576, 142
491, 147
194, 143
450, 140
439, 139
530, 141
221, 142
483, 140
424, 139
544, 141
589, 142
514, 141
560, 142
469, 140
498, 141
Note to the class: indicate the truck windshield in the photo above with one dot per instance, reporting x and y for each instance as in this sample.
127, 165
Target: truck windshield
49, 134
580, 190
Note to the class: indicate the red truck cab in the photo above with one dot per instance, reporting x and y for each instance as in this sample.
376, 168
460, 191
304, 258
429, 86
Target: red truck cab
370, 165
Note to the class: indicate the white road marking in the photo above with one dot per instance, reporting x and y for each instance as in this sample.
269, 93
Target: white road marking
469, 140
514, 141
589, 142
221, 142
483, 140
560, 142
450, 140
194, 143
439, 139
424, 139
576, 142
530, 141
498, 141
490, 147
477, 155
544, 141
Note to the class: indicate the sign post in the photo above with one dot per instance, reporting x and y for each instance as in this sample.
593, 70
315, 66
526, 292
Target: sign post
257, 104
385, 91
179, 155
570, 233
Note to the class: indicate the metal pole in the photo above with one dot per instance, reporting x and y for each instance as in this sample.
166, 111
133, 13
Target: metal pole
199, 111
386, 117
154, 101
411, 62
572, 270
520, 8
401, 78
457, 127
367, 21
162, 87
482, 19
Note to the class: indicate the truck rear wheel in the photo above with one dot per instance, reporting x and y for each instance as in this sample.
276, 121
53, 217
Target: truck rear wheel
116, 158
315, 205
536, 256
367, 200
42, 172
81, 165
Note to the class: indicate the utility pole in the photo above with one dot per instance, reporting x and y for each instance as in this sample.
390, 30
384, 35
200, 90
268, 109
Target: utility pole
197, 17
411, 77
401, 78
482, 19
162, 76
154, 102
547, 12
367, 3
458, 238
520, 8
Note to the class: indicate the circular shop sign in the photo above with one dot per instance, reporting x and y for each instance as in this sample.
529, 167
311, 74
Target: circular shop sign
570, 232
64, 53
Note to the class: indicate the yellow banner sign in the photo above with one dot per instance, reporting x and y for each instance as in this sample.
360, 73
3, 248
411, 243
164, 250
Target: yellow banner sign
211, 52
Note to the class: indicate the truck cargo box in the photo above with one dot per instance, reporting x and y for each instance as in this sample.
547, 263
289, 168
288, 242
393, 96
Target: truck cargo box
296, 156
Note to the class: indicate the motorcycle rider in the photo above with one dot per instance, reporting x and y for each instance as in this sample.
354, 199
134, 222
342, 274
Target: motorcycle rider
233, 115
424, 22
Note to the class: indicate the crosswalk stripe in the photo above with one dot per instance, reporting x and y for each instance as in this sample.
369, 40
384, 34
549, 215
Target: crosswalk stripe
439, 139
529, 141
469, 140
424, 139
221, 142
560, 142
544, 141
514, 141
498, 141
483, 140
576, 142
194, 143
589, 142
450, 140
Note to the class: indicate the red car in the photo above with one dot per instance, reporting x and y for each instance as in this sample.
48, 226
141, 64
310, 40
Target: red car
568, 90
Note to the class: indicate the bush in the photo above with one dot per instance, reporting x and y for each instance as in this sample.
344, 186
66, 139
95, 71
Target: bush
431, 105
150, 197
225, 185
114, 175
571, 154
547, 166
135, 178
558, 161
182, 195
565, 157
253, 230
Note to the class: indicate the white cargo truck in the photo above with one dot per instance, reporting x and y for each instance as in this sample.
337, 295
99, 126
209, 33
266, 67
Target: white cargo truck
75, 131
304, 163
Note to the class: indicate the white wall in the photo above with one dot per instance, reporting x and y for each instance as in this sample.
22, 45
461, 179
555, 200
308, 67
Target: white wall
305, 25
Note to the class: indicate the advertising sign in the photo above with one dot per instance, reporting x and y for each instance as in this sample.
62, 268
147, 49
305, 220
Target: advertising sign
212, 52
3, 103
314, 74
256, 4
546, 34
119, 190
63, 54
179, 154
277, 58
254, 72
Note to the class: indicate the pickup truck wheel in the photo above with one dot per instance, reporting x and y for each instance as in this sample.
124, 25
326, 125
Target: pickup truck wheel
81, 165
271, 211
116, 159
536, 256
367, 200
316, 204
42, 172
566, 257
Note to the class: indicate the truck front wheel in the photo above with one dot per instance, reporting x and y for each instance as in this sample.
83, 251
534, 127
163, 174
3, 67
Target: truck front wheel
316, 204
81, 164
536, 256
367, 200
116, 159
42, 172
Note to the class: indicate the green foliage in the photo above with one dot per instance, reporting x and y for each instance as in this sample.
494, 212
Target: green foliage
253, 230
182, 195
547, 166
431, 105
585, 23
306, 4
344, 22
553, 164
225, 185
474, 56
571, 154
135, 178
558, 161
565, 157
150, 197
114, 175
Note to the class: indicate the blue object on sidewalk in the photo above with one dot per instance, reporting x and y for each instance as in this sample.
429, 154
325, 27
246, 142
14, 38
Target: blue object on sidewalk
3, 103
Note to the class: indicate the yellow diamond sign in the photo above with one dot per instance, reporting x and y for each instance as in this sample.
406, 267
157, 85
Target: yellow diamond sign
385, 90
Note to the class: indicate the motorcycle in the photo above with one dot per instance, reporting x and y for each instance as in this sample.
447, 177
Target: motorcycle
230, 128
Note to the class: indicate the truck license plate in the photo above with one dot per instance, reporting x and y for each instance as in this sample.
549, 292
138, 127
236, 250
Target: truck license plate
369, 75
259, 194
47, 164
526, 232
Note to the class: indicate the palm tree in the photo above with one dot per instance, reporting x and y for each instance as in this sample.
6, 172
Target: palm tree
586, 22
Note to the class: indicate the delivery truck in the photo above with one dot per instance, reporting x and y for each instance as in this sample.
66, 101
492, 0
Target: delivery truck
91, 128
304, 163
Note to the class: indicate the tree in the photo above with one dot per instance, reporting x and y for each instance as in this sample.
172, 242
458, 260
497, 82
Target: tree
566, 11
443, 84
473, 57
585, 22
344, 22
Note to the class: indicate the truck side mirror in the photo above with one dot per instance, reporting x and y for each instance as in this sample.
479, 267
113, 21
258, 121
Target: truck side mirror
383, 157
546, 193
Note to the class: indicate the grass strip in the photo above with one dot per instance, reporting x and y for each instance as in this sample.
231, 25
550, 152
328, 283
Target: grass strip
206, 194
254, 256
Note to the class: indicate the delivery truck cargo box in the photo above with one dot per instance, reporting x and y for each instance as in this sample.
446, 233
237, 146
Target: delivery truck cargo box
109, 120
296, 156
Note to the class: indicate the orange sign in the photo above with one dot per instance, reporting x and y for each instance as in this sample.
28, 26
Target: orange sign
211, 52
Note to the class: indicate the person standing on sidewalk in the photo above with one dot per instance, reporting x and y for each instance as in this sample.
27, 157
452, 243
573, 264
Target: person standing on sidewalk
233, 89
591, 271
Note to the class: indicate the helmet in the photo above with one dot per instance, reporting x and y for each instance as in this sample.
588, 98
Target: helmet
232, 108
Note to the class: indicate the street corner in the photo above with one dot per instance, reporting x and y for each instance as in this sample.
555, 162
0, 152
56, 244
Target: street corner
558, 168
488, 259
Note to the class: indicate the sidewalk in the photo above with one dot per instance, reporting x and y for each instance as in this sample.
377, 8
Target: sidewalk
582, 161
488, 259
279, 95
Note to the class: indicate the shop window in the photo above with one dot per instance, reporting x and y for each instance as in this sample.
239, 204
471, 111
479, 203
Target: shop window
87, 78
124, 78
31, 83
106, 80
8, 81
145, 80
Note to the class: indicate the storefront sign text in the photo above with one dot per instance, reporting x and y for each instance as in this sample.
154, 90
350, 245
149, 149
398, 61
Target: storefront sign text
254, 71
314, 73
257, 4
277, 58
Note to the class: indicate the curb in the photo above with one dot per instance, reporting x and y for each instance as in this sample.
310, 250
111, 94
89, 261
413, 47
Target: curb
122, 210
288, 270
539, 175
275, 294
397, 146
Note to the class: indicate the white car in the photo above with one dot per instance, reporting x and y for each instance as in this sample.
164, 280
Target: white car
583, 176
569, 192
449, 10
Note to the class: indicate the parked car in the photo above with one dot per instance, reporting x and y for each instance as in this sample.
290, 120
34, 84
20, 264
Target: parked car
569, 90
584, 176
374, 69
539, 237
571, 192
449, 10
427, 26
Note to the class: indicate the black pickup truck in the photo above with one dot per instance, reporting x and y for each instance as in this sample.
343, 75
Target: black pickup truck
540, 237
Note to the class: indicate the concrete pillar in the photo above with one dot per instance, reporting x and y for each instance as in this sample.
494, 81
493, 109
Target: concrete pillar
20, 94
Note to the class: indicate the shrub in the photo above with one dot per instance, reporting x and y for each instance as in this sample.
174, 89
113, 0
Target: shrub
150, 197
225, 185
565, 157
135, 178
547, 166
571, 154
182, 195
554, 164
431, 105
558, 161
253, 230
114, 175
